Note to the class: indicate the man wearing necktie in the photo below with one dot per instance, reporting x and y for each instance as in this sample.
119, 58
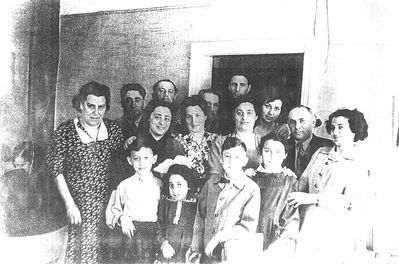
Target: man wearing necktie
303, 143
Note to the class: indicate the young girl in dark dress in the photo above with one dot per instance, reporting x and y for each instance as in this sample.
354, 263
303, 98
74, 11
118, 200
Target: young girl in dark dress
278, 221
176, 214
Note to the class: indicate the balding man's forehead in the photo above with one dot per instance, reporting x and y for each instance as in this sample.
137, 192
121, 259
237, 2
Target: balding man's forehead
299, 112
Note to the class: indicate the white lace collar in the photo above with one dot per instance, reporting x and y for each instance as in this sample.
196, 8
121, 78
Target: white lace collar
102, 133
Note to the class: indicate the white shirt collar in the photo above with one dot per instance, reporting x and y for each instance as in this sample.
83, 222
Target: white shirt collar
102, 132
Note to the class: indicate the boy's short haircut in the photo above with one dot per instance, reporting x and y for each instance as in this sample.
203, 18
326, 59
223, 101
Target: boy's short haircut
232, 142
186, 173
138, 144
275, 137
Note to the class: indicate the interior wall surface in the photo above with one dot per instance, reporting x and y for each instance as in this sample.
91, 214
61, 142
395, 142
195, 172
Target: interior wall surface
146, 45
14, 100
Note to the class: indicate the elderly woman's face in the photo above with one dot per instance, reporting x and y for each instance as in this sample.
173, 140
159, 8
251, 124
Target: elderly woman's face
271, 110
160, 120
340, 132
93, 110
245, 117
195, 119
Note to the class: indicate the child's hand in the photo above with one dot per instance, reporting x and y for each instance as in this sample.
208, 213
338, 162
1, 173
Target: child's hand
168, 251
212, 244
298, 198
127, 226
192, 256
288, 172
250, 172
219, 237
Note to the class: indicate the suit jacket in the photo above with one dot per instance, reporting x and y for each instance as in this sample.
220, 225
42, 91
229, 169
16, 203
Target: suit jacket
314, 144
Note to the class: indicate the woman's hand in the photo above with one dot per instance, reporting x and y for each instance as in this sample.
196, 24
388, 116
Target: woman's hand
164, 166
283, 131
168, 251
182, 160
299, 198
129, 141
127, 226
192, 256
73, 214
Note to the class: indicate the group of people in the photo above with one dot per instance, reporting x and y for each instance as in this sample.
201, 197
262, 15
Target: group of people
189, 183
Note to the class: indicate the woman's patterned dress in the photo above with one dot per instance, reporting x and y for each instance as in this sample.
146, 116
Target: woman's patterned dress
85, 168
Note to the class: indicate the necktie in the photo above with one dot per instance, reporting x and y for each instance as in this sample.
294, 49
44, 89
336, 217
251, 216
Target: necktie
301, 151
300, 160
224, 180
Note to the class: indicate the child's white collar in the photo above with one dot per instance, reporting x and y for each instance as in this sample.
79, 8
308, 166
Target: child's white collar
263, 170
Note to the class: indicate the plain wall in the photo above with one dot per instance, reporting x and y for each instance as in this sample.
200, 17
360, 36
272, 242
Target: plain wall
144, 45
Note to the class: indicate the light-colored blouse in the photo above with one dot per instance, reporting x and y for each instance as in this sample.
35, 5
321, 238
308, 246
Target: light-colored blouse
333, 230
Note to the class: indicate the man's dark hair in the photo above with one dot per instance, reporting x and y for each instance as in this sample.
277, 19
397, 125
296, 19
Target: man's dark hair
241, 72
132, 87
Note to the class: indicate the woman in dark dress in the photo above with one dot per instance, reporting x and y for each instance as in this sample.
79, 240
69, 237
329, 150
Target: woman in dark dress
78, 159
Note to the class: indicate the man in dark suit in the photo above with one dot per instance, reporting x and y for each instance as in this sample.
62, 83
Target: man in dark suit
132, 99
303, 143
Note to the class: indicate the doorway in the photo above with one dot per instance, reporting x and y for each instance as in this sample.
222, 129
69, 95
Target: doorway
282, 72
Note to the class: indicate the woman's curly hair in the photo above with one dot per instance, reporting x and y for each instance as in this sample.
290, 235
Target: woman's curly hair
357, 122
